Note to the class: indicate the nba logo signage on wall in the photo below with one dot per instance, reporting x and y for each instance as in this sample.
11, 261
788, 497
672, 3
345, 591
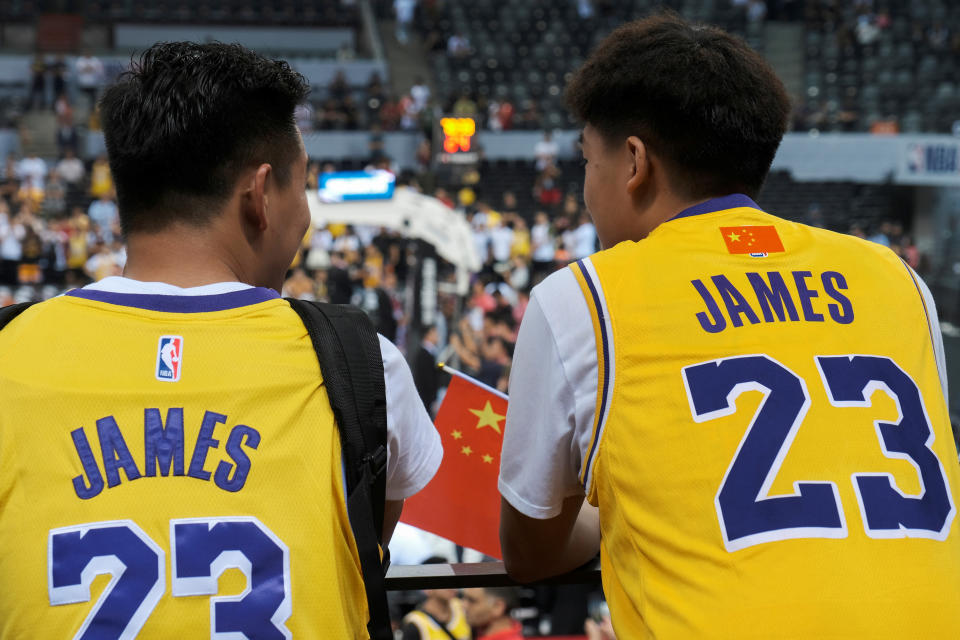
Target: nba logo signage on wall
169, 358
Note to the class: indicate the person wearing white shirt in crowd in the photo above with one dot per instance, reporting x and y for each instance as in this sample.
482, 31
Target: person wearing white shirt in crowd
12, 232
89, 73
458, 45
346, 242
543, 245
481, 235
501, 242
584, 238
32, 171
71, 168
104, 213
404, 10
420, 92
546, 151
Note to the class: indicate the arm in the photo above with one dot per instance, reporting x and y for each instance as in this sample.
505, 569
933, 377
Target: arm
391, 515
536, 549
413, 444
545, 526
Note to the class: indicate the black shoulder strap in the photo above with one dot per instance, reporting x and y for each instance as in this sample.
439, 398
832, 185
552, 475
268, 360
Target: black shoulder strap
7, 314
348, 349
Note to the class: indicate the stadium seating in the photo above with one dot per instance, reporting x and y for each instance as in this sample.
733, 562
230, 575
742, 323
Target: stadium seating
274, 12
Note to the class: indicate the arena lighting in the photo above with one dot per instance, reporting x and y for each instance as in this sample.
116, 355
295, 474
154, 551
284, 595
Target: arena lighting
350, 186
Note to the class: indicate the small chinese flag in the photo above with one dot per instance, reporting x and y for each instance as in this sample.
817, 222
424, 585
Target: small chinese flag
462, 502
752, 239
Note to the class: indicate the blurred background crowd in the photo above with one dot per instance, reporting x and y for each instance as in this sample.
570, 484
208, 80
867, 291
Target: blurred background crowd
386, 72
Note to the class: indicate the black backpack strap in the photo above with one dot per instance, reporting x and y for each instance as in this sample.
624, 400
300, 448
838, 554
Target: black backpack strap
7, 314
348, 349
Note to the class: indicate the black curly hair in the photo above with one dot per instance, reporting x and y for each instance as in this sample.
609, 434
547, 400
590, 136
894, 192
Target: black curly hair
698, 97
186, 119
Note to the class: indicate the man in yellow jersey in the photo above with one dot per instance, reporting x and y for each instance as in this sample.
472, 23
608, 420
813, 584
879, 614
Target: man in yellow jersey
169, 461
753, 409
440, 617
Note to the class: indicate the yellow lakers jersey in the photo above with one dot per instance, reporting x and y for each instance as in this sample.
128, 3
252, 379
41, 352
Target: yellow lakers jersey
170, 468
430, 629
772, 455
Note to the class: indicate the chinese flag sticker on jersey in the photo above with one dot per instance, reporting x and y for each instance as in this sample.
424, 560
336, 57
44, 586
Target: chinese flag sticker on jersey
462, 502
752, 239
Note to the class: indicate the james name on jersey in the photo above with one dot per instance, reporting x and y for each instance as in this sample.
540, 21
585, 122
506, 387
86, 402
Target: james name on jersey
771, 299
163, 447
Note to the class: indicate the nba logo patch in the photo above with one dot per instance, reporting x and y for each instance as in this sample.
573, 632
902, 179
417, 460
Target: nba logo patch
169, 358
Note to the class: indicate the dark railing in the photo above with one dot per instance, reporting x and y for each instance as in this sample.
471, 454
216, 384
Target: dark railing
473, 574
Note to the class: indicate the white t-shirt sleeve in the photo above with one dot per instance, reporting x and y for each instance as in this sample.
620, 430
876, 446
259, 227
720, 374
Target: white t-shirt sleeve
553, 386
414, 450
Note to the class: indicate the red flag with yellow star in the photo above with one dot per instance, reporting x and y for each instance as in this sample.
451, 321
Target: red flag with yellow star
462, 502
752, 239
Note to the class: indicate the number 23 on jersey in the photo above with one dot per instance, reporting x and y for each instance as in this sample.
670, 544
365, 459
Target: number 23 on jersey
202, 549
746, 511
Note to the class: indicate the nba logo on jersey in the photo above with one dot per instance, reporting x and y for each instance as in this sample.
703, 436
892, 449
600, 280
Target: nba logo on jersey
169, 358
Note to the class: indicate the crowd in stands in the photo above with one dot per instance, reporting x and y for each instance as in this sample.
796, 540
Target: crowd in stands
880, 65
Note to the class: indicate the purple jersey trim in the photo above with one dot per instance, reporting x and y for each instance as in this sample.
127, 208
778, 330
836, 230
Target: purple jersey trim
180, 304
718, 204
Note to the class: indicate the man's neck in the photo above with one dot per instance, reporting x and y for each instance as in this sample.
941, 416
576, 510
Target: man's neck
183, 257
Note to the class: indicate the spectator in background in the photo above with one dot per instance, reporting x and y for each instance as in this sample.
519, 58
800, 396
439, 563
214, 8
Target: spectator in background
585, 9
103, 212
101, 182
426, 374
488, 612
464, 106
756, 11
303, 115
58, 71
390, 114
938, 36
55, 197
351, 113
89, 74
441, 615
545, 189
505, 115
545, 151
32, 171
458, 45
584, 238
71, 170
67, 137
420, 92
404, 11
338, 88
38, 83
501, 243
881, 235
543, 246
12, 232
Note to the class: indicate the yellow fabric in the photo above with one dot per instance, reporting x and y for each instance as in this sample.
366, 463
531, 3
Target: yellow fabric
667, 571
69, 362
430, 630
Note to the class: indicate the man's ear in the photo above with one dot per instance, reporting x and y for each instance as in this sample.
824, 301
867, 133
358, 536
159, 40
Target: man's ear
500, 607
640, 171
255, 200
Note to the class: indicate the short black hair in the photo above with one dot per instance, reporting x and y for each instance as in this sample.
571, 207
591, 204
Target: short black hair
186, 119
699, 98
510, 595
